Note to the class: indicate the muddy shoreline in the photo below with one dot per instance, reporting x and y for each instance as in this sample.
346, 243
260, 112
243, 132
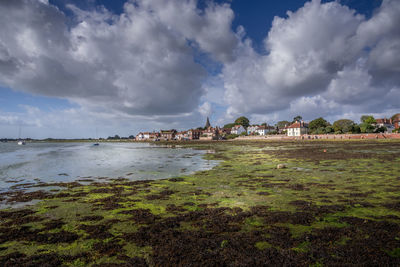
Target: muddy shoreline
335, 203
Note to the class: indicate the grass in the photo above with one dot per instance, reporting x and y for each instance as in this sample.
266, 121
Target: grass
324, 208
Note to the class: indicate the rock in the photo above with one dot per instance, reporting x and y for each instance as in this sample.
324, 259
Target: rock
281, 166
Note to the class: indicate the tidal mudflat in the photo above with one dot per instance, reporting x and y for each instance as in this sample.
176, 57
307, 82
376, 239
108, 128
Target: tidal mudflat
48, 166
335, 203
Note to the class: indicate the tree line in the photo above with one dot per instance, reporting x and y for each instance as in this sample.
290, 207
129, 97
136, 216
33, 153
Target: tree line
321, 126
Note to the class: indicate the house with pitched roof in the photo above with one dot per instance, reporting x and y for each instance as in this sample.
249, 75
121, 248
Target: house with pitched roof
388, 123
396, 121
142, 136
297, 129
168, 134
191, 134
264, 130
238, 129
252, 129
211, 133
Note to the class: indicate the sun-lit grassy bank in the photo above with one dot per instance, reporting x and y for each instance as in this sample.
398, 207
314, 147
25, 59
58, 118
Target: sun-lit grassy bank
335, 203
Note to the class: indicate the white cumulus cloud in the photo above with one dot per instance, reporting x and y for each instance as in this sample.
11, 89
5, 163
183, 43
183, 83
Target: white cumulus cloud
321, 57
138, 63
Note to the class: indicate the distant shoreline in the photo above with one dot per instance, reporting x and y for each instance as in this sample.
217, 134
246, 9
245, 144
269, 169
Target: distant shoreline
268, 138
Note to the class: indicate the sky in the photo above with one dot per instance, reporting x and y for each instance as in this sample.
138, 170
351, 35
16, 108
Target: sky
71, 69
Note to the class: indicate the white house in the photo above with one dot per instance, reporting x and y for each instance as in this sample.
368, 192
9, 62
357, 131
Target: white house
146, 136
264, 130
238, 129
140, 136
297, 129
252, 129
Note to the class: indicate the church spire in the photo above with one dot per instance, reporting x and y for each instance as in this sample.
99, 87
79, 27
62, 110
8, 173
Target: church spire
207, 123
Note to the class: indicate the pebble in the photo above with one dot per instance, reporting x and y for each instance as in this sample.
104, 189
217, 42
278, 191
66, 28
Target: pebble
281, 166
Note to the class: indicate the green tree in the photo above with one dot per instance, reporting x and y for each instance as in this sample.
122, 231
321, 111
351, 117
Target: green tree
395, 116
364, 118
366, 127
356, 129
367, 119
242, 121
329, 129
229, 125
367, 124
381, 129
344, 126
320, 130
297, 118
317, 124
282, 124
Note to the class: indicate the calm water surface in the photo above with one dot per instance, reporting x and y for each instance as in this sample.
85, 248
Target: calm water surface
67, 162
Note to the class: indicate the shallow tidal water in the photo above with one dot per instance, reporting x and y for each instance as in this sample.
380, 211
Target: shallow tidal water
36, 163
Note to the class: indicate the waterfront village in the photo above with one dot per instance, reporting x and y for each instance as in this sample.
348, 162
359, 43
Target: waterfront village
316, 129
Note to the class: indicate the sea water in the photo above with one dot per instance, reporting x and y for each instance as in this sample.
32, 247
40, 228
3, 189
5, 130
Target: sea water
36, 163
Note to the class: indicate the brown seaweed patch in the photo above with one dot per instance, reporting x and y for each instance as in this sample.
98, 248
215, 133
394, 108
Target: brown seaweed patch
142, 216
21, 260
24, 233
393, 206
18, 217
15, 214
96, 231
112, 190
367, 242
20, 196
271, 185
85, 180
175, 209
111, 248
162, 195
298, 187
91, 218
300, 203
176, 179
23, 220
67, 185
127, 262
365, 194
263, 193
108, 203
53, 224
304, 218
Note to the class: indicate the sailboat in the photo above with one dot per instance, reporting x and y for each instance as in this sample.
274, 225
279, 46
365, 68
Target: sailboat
20, 142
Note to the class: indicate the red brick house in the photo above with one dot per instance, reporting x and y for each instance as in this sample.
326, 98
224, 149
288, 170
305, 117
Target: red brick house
194, 134
396, 121
168, 134
387, 123
188, 135
211, 133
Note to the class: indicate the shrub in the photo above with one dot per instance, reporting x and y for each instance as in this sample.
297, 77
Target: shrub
231, 136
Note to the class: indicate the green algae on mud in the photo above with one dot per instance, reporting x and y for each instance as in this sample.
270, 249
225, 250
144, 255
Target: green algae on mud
339, 207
